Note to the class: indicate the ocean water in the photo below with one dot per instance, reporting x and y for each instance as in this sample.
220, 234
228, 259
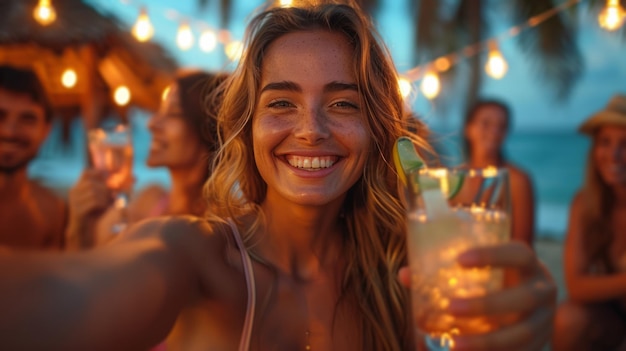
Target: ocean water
555, 161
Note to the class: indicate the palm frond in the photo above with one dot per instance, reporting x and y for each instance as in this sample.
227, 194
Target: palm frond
552, 46
226, 7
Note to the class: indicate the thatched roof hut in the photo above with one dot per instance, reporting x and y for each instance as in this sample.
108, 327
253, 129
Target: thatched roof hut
96, 46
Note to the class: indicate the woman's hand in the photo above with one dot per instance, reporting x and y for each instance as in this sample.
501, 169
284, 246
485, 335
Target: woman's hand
88, 200
530, 297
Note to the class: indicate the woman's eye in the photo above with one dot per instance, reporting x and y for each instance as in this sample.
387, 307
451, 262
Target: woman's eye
279, 104
345, 104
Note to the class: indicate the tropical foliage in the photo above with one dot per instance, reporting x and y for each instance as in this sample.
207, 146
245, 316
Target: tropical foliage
448, 26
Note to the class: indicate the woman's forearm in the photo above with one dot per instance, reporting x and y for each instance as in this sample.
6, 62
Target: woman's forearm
596, 288
124, 296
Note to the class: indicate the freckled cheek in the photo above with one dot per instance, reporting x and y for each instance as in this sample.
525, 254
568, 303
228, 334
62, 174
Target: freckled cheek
356, 134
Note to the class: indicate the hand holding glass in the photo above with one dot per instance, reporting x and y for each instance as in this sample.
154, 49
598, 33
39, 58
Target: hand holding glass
451, 211
111, 151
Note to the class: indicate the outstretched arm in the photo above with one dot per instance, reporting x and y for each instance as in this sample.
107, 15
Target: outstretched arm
122, 296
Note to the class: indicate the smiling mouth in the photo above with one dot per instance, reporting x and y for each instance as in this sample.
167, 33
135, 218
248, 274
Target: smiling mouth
311, 163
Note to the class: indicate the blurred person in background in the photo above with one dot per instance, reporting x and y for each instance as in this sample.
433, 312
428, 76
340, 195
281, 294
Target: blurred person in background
594, 315
31, 216
183, 140
485, 129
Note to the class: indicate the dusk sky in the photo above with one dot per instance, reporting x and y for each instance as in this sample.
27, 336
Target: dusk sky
533, 105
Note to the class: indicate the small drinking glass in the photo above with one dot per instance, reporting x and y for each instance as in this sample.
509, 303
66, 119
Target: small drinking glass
451, 211
112, 152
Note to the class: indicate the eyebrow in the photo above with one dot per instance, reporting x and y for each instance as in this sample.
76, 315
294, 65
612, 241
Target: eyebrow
291, 86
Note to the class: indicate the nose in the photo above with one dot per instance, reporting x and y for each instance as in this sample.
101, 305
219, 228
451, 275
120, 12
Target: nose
8, 127
313, 125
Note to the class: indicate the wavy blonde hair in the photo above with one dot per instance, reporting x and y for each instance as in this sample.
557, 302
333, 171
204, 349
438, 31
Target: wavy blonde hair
375, 245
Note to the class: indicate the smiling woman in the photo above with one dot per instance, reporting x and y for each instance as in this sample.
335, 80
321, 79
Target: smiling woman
289, 256
184, 139
594, 316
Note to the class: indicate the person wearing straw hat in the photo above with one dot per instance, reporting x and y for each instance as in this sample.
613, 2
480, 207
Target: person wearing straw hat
594, 315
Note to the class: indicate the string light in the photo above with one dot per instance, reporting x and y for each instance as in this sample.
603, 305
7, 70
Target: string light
405, 87
184, 37
612, 16
121, 95
44, 12
69, 78
143, 30
165, 93
431, 86
496, 66
207, 41
443, 64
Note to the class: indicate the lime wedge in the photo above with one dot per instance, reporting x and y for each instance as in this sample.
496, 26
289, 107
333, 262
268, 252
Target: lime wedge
405, 158
448, 184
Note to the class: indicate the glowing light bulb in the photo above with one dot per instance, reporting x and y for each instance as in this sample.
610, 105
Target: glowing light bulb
143, 30
431, 86
121, 95
207, 41
405, 87
286, 3
234, 50
44, 13
496, 66
443, 64
165, 93
612, 17
184, 37
69, 78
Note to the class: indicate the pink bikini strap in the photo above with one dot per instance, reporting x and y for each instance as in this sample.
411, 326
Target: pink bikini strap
244, 343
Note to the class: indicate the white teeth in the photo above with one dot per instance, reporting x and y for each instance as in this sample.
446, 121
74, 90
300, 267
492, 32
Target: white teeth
311, 163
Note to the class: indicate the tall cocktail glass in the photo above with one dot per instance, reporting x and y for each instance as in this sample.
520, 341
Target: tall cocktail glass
451, 211
112, 152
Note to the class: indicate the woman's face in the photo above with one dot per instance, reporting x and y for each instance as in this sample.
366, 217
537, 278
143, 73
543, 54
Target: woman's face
174, 144
309, 133
487, 130
609, 154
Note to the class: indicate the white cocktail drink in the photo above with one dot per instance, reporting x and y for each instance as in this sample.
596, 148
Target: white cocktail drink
451, 212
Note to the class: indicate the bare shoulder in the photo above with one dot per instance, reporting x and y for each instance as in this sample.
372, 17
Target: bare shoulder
190, 233
50, 202
144, 201
518, 175
204, 245
150, 192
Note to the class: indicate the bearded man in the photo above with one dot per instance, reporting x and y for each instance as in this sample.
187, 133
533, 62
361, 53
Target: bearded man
31, 216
